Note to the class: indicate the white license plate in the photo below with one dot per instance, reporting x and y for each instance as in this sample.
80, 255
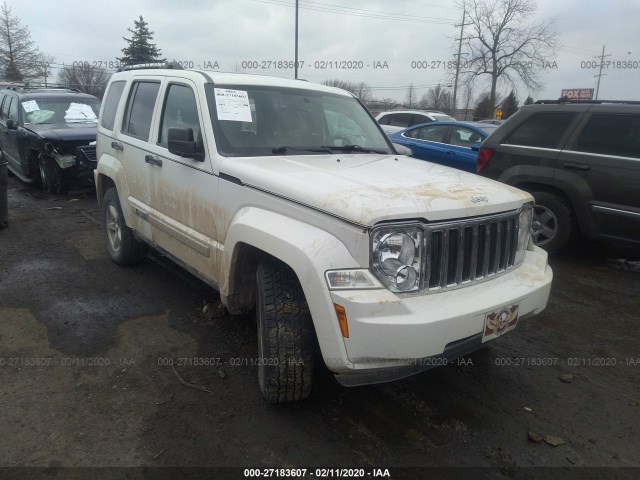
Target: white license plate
499, 321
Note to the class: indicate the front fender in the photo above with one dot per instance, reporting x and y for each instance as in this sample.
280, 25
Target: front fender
110, 167
309, 251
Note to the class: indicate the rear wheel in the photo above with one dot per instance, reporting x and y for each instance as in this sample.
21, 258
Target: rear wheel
50, 175
122, 245
286, 341
552, 221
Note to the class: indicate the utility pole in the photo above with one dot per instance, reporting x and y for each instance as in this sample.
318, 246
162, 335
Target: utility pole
455, 83
296, 61
600, 74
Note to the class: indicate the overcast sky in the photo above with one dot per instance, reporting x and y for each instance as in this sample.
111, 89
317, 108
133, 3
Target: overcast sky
367, 33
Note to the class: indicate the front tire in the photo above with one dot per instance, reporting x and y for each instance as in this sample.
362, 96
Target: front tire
552, 221
122, 245
286, 341
50, 175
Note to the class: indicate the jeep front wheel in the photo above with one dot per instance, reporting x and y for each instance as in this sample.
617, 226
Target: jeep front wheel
286, 341
122, 245
552, 221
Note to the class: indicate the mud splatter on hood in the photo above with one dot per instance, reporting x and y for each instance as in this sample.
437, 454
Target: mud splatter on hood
367, 189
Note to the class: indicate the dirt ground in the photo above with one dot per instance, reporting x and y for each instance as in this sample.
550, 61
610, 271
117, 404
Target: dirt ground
85, 379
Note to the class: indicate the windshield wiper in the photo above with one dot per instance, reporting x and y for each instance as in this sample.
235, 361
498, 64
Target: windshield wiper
354, 148
283, 149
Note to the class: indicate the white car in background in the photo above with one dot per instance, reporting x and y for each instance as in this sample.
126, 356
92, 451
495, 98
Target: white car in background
397, 120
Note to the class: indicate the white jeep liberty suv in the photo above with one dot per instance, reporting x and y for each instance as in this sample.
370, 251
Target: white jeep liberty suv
287, 197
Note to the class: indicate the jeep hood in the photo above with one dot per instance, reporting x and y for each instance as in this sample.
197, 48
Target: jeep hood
367, 189
69, 131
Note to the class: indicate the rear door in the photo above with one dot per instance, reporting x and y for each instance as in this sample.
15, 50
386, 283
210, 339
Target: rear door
132, 145
529, 152
603, 159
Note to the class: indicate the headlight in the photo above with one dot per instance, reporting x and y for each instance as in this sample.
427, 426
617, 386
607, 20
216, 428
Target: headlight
524, 231
397, 257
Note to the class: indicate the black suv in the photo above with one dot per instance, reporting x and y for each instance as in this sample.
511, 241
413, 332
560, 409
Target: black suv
581, 162
46, 134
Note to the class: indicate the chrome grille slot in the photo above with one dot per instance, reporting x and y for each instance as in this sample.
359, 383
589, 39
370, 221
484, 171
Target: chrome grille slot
470, 251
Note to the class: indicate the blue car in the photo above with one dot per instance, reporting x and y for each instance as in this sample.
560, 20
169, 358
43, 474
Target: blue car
447, 143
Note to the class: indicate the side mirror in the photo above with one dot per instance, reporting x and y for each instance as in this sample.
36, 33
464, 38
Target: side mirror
402, 150
475, 147
11, 124
180, 142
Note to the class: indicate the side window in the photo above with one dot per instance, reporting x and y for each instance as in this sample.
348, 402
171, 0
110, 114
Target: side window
4, 112
611, 134
13, 110
399, 119
542, 130
418, 119
142, 99
413, 133
111, 104
180, 110
435, 133
464, 137
2, 97
384, 120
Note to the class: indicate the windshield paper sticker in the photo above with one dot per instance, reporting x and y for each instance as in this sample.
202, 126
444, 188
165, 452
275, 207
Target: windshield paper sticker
81, 112
30, 106
233, 105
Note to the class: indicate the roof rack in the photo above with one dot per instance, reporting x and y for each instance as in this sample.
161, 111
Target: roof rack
40, 87
155, 65
568, 100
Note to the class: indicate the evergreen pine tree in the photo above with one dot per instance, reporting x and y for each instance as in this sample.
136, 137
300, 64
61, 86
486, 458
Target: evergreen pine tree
139, 48
509, 105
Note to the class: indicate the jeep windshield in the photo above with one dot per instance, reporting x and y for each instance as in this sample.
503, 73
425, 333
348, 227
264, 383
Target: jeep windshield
60, 111
261, 121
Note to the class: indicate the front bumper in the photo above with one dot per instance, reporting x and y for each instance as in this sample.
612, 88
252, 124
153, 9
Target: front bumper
392, 337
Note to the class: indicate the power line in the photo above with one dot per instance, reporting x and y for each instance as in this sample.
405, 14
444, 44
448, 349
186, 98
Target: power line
329, 8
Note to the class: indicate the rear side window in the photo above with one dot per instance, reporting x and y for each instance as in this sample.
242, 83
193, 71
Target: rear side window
435, 133
137, 120
611, 134
399, 120
542, 130
418, 119
111, 103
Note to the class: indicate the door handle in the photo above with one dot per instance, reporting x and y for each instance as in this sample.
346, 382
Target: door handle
450, 152
117, 146
410, 145
576, 166
153, 160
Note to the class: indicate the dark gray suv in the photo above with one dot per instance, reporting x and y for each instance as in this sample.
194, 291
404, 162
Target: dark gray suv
581, 162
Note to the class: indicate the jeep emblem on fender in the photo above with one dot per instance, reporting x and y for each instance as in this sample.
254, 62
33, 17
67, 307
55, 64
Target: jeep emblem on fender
479, 198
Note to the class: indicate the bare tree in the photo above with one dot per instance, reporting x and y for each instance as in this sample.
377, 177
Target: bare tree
437, 98
85, 77
410, 100
504, 45
43, 68
18, 53
360, 90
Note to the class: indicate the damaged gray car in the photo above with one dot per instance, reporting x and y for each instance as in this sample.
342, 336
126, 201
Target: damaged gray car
48, 135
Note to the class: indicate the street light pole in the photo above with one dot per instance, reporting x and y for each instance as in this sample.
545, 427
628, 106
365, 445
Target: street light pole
455, 83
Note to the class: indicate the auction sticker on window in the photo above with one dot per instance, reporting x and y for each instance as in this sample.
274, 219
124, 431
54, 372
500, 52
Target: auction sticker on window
30, 106
232, 105
499, 321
